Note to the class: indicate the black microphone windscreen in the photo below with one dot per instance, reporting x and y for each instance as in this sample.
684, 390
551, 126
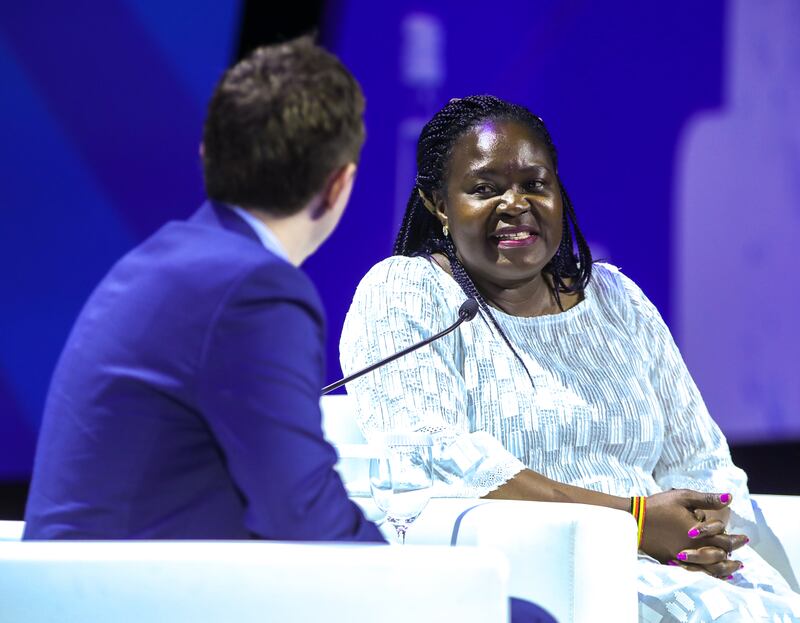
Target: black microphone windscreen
468, 309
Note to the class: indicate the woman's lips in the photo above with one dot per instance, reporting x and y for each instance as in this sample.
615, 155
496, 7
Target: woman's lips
517, 242
512, 240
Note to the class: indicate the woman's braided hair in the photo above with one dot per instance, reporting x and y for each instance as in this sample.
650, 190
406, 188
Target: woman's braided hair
421, 232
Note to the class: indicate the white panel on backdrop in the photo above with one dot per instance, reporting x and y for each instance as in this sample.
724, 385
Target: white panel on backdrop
737, 229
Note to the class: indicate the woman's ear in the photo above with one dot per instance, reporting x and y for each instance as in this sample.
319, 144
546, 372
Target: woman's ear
434, 205
426, 202
439, 207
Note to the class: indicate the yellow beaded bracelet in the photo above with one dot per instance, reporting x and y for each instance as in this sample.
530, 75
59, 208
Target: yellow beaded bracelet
638, 505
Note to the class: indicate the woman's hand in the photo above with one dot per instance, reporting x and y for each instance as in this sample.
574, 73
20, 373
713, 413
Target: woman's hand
669, 519
711, 559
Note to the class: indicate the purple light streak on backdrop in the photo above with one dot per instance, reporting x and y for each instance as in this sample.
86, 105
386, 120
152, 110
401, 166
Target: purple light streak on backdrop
737, 223
108, 86
48, 265
103, 104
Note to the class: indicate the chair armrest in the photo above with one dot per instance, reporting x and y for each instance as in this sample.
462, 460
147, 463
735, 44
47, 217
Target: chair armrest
572, 559
777, 537
184, 582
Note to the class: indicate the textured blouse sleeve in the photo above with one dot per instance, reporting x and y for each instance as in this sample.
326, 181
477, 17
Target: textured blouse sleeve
695, 454
399, 303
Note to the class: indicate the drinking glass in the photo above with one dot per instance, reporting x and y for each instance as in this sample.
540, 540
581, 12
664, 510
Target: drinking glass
401, 480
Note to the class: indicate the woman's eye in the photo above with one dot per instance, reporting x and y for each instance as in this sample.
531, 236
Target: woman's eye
483, 189
536, 185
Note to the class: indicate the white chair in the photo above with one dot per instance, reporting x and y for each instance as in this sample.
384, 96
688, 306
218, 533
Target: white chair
574, 560
778, 536
553, 549
182, 582
11, 530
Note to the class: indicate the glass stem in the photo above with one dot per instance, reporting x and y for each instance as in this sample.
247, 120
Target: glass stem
401, 534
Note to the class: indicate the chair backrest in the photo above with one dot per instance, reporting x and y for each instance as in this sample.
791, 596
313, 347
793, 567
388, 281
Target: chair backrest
97, 581
338, 420
11, 530
341, 429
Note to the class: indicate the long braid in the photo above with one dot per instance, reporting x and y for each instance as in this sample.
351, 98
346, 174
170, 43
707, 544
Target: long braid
421, 233
463, 279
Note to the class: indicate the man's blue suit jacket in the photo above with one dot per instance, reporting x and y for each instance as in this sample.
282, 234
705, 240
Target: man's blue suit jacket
186, 401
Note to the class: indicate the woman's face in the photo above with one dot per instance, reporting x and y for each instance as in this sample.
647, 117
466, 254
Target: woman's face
502, 203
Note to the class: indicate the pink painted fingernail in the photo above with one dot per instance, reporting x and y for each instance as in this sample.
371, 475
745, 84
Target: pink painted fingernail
694, 532
730, 577
681, 556
741, 566
746, 539
725, 498
673, 563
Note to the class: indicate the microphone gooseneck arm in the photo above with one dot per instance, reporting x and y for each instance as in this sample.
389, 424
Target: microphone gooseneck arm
466, 312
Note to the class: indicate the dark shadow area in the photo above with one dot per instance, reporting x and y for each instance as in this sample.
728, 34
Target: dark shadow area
267, 22
770, 467
12, 500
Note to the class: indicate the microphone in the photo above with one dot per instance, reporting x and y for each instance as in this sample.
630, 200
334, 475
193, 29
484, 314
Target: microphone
466, 312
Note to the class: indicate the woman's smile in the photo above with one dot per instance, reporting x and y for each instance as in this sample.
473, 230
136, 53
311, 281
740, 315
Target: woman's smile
514, 237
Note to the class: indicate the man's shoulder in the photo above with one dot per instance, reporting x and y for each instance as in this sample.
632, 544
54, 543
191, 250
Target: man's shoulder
193, 257
175, 285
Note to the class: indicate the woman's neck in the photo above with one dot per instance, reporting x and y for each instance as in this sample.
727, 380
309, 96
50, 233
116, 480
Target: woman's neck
529, 298
534, 297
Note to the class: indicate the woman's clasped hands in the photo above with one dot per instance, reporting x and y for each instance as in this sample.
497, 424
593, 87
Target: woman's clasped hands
687, 528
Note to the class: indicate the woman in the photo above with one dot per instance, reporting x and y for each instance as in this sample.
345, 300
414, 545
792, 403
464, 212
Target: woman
568, 387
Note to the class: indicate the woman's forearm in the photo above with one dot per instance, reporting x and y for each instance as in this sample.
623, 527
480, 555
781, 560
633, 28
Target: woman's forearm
529, 485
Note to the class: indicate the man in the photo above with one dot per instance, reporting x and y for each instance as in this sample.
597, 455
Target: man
186, 401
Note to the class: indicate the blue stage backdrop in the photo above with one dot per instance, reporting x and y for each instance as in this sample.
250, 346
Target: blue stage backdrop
103, 105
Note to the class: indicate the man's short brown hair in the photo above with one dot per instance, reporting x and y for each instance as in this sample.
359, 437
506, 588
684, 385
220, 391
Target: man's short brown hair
279, 123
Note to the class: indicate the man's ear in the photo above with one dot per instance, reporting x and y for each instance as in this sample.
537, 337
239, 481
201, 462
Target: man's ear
337, 188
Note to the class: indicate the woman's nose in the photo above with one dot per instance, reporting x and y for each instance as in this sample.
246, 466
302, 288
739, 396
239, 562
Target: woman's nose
512, 203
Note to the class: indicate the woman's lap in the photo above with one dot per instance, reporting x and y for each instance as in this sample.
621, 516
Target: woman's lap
757, 593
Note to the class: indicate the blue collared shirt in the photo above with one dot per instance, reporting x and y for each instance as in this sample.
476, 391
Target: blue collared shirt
264, 233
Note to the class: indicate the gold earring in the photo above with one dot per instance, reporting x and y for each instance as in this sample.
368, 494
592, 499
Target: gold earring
445, 231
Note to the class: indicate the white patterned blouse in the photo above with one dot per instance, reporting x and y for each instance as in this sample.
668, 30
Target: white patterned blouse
606, 403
